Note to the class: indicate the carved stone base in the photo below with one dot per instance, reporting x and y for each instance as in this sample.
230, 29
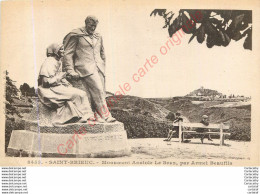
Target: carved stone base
75, 140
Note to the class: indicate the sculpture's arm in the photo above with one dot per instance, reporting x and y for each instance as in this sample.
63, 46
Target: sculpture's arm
102, 51
53, 81
69, 52
49, 81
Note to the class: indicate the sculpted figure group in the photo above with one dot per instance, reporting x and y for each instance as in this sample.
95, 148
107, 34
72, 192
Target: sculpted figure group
81, 58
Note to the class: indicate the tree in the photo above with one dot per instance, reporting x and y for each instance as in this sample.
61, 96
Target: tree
217, 27
32, 91
10, 93
26, 90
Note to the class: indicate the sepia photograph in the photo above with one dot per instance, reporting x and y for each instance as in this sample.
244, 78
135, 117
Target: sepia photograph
129, 83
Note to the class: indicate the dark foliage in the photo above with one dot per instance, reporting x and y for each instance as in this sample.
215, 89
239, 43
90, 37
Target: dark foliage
217, 27
10, 93
26, 90
11, 122
141, 126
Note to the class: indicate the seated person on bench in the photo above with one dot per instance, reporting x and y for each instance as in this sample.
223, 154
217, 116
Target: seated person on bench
205, 122
175, 128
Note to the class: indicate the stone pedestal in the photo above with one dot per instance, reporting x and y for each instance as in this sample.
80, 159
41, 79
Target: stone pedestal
40, 138
103, 140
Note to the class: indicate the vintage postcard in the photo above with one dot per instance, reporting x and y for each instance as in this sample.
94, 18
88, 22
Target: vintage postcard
130, 83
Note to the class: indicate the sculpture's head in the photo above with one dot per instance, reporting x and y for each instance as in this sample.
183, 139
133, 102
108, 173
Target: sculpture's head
91, 24
55, 50
61, 51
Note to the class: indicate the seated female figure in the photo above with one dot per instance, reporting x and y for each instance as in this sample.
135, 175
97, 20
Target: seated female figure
55, 91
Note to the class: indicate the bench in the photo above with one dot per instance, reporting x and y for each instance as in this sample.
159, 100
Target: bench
221, 128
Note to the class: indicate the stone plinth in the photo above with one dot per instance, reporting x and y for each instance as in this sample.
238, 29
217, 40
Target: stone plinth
72, 140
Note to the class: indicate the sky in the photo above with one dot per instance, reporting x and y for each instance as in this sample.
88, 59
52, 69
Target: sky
130, 37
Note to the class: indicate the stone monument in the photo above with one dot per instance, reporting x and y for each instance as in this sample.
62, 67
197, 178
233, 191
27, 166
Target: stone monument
80, 140
103, 138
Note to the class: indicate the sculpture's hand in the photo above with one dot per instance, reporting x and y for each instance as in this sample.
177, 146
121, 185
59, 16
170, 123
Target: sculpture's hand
59, 76
73, 75
65, 82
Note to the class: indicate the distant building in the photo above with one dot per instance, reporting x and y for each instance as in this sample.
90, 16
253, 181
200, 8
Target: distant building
211, 95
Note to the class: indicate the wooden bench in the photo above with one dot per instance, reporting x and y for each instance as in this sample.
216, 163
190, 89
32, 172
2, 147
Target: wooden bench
221, 128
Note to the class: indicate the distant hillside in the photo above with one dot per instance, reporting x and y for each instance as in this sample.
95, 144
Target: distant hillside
145, 118
141, 106
204, 92
141, 118
237, 117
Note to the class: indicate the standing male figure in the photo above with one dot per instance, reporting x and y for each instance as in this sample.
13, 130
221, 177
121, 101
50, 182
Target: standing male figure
84, 58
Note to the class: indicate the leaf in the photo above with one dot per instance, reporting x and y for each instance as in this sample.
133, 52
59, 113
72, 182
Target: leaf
236, 21
227, 40
218, 39
175, 26
201, 34
160, 12
188, 29
210, 41
248, 44
237, 36
192, 37
222, 39
214, 37
210, 29
221, 35
193, 14
168, 19
248, 41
